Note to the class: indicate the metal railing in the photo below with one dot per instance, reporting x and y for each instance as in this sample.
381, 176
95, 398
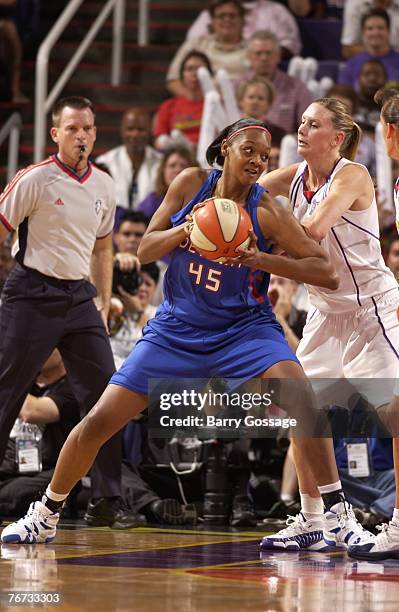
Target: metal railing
44, 100
143, 22
11, 129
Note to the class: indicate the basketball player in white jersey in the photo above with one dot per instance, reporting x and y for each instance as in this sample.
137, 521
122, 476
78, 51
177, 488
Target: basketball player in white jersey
386, 544
352, 332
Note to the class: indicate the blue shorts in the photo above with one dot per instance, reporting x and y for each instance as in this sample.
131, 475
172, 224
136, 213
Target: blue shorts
171, 349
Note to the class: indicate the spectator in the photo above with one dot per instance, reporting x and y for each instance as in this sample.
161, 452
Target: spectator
372, 77
260, 14
255, 97
11, 48
127, 238
130, 310
351, 39
375, 34
133, 165
308, 8
281, 294
366, 151
225, 46
291, 95
393, 258
173, 162
184, 113
51, 405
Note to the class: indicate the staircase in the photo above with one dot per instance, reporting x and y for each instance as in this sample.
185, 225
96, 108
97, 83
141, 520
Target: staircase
143, 73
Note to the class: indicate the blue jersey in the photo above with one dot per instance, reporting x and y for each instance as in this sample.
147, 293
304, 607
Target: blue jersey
212, 295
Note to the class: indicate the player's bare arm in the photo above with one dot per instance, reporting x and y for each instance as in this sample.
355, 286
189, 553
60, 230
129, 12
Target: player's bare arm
160, 238
307, 261
278, 182
351, 189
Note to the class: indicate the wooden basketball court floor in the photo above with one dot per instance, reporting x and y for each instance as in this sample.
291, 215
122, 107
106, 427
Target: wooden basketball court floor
188, 570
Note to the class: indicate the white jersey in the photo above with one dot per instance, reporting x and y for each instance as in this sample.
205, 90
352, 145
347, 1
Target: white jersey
353, 246
58, 216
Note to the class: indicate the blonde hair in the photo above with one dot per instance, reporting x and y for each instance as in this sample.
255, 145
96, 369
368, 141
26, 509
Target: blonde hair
342, 121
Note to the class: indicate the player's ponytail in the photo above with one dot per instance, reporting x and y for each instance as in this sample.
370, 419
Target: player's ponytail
343, 122
213, 152
388, 101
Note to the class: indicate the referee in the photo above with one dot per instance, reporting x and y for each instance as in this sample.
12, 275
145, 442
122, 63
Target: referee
62, 210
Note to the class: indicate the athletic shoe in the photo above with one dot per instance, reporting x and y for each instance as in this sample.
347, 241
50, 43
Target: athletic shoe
300, 534
111, 512
384, 546
38, 526
342, 529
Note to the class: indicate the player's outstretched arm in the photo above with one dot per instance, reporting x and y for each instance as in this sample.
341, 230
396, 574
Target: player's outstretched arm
278, 182
307, 261
351, 188
160, 238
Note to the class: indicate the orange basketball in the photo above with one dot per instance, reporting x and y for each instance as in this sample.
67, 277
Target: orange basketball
220, 228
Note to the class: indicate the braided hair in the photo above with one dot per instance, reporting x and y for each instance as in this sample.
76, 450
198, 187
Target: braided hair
213, 152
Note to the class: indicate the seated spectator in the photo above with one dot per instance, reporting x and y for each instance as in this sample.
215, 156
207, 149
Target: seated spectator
351, 38
375, 35
392, 258
259, 15
281, 295
255, 98
175, 160
52, 407
224, 46
134, 164
11, 48
368, 483
372, 77
291, 95
130, 310
308, 8
366, 151
183, 113
130, 230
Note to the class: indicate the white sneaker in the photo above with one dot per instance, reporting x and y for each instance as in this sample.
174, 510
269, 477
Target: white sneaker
38, 526
342, 529
384, 546
300, 534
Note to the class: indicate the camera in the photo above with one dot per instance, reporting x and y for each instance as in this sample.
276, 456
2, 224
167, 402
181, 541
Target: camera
129, 281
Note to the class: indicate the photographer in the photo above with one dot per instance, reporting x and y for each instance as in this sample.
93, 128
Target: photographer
131, 307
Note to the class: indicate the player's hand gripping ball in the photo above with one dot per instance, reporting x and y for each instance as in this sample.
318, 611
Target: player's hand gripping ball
220, 228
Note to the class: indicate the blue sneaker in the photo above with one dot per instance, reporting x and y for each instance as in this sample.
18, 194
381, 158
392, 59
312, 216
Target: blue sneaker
38, 526
342, 529
300, 534
384, 546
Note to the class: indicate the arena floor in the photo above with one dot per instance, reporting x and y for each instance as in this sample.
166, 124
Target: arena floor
153, 569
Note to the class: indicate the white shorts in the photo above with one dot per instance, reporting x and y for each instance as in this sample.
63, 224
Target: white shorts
361, 344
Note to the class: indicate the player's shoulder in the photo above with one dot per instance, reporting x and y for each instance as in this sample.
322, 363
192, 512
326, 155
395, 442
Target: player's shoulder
351, 170
192, 175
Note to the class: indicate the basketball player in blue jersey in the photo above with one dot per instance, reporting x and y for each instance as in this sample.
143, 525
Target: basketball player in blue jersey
216, 320
351, 333
386, 544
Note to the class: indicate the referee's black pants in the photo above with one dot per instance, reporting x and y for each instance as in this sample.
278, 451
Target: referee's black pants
38, 314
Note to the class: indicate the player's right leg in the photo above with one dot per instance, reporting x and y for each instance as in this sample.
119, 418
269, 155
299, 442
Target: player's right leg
114, 409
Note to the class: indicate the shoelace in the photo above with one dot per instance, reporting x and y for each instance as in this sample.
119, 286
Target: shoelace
292, 522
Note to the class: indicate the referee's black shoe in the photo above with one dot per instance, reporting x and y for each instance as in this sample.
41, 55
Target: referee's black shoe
111, 512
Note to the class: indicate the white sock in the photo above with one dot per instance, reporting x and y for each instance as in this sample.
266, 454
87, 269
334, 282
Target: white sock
286, 497
330, 488
55, 496
311, 507
395, 517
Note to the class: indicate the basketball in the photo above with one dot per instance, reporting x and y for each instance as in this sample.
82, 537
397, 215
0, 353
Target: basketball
220, 229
